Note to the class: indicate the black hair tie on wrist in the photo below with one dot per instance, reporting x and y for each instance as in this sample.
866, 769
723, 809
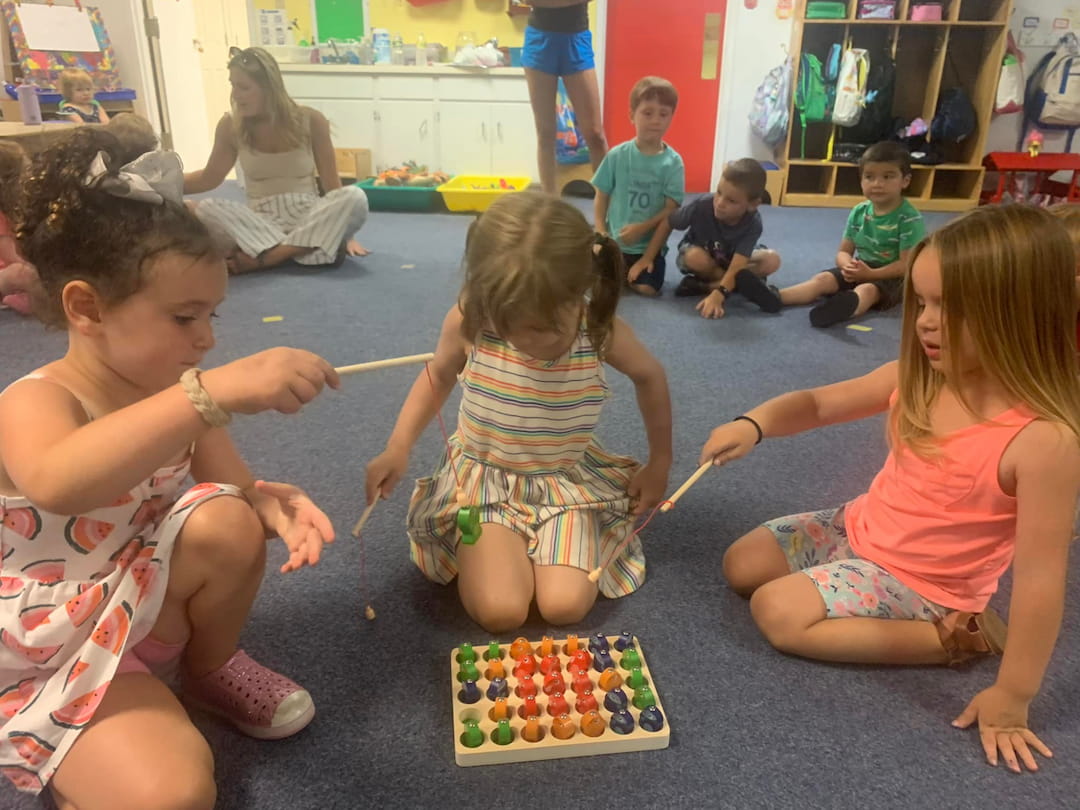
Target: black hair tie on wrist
752, 421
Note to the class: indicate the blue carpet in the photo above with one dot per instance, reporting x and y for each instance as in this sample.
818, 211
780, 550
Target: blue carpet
750, 727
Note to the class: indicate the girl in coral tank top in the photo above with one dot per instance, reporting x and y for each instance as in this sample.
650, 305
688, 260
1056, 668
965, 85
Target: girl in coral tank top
984, 471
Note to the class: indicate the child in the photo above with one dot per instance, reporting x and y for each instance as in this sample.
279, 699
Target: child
873, 255
720, 253
16, 276
110, 572
639, 184
984, 419
77, 102
135, 134
533, 323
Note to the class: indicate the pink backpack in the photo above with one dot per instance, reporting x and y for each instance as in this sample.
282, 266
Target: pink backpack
926, 12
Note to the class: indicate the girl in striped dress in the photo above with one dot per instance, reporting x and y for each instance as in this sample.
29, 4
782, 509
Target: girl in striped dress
281, 147
533, 325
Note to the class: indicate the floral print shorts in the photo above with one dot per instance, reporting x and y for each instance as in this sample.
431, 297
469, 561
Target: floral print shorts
816, 544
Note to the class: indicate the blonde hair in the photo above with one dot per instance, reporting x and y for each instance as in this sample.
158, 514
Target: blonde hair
1069, 216
529, 256
71, 78
1007, 277
136, 135
286, 118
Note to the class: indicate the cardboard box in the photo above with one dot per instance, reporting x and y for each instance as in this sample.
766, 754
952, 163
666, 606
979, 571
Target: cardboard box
353, 164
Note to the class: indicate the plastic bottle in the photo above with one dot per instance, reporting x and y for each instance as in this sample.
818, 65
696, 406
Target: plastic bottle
421, 51
381, 46
397, 50
29, 105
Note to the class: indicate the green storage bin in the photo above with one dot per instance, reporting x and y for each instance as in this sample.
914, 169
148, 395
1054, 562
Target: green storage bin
826, 10
401, 198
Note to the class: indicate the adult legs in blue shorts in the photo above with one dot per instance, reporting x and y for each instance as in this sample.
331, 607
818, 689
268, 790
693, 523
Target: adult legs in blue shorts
547, 56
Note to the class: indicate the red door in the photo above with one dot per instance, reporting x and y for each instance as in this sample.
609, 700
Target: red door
680, 40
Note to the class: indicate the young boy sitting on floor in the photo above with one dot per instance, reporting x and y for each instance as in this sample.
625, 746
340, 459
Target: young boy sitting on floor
720, 253
640, 183
872, 258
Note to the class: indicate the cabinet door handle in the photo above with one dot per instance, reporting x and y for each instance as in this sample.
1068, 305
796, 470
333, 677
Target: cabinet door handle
423, 128
498, 129
483, 130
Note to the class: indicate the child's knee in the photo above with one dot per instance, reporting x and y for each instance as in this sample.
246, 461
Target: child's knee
699, 261
180, 786
498, 612
226, 528
565, 597
766, 261
771, 610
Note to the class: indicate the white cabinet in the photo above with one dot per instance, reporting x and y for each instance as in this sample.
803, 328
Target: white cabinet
405, 131
454, 121
513, 145
464, 138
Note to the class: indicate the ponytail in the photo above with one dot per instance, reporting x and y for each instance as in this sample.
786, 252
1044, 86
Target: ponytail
609, 271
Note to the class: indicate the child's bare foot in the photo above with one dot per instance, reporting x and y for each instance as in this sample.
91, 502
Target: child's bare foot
645, 289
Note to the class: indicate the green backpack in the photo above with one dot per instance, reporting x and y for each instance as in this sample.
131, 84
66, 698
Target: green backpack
811, 95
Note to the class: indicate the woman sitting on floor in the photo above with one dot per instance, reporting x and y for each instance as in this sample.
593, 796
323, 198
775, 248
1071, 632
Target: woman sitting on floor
281, 147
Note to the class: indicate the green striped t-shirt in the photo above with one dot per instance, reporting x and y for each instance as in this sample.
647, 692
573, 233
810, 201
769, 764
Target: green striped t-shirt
879, 240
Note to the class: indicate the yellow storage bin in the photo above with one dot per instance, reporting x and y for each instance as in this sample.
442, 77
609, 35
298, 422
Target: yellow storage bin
476, 192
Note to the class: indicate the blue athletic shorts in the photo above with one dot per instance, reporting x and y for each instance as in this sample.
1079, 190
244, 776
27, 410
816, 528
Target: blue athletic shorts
556, 53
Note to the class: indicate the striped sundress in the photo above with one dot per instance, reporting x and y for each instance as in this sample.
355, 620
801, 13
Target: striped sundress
525, 454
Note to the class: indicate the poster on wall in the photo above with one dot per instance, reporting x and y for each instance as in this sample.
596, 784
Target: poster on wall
274, 27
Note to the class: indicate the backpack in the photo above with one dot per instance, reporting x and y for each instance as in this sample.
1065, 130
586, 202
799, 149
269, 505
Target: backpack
851, 87
876, 122
955, 118
769, 116
1056, 79
811, 97
1053, 92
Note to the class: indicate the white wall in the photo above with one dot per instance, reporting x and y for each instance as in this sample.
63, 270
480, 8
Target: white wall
754, 43
1005, 129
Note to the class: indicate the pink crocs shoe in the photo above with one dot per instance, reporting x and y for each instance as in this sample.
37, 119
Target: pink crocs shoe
256, 700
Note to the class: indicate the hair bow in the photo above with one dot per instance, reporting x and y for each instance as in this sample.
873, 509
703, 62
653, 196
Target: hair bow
151, 178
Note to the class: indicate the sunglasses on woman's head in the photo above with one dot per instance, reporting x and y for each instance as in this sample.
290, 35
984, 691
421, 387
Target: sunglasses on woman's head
243, 56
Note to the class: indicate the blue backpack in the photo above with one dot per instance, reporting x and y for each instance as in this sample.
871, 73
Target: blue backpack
769, 116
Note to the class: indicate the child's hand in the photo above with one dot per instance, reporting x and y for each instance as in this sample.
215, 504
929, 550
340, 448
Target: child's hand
276, 379
383, 473
729, 442
712, 305
634, 232
297, 520
1003, 727
647, 487
639, 267
858, 271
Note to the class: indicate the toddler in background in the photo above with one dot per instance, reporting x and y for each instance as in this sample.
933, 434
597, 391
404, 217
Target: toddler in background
873, 254
639, 184
16, 276
77, 102
720, 254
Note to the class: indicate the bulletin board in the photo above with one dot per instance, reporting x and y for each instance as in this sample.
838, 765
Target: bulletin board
339, 19
43, 66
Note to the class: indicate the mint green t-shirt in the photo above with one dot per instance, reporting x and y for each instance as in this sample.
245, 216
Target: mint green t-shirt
638, 185
879, 240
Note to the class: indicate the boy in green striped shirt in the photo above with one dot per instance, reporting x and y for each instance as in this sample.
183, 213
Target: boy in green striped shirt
872, 258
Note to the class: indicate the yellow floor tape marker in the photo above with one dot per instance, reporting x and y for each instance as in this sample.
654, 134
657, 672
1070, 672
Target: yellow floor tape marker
859, 328
273, 318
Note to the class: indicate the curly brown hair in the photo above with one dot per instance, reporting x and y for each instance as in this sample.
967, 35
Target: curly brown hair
74, 231
529, 255
12, 168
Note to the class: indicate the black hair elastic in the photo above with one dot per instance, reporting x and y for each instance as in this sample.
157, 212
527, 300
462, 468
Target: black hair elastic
752, 421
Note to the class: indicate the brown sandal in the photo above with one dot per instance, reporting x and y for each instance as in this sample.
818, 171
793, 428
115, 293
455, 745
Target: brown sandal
966, 636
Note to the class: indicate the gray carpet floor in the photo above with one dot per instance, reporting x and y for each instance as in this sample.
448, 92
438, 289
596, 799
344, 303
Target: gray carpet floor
750, 727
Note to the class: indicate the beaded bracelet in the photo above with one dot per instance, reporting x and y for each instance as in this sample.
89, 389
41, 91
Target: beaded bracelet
214, 414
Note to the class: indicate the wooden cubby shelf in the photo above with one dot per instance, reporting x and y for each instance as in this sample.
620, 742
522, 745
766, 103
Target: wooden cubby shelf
963, 49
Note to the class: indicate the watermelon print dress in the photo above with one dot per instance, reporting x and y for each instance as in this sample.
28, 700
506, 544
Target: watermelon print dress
77, 592
525, 454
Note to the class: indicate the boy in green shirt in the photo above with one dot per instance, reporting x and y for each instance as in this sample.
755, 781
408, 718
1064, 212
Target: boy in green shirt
872, 259
639, 183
